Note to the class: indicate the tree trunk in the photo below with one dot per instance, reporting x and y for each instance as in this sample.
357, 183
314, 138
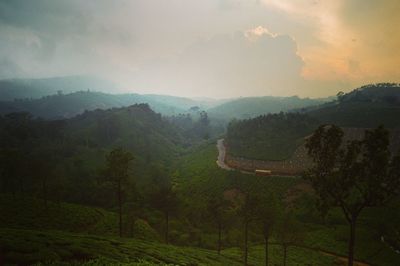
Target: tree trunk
44, 187
284, 254
21, 185
219, 238
352, 241
266, 250
166, 227
245, 242
120, 208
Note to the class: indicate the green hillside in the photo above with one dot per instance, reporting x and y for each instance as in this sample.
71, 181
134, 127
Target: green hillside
69, 105
11, 89
31, 232
249, 107
368, 106
359, 114
73, 151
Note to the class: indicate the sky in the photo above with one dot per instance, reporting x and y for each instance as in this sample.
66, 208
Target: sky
208, 48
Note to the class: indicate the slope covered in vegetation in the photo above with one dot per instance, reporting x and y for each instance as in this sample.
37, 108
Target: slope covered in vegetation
250, 107
368, 106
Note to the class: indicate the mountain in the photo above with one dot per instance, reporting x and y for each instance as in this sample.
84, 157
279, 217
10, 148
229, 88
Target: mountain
367, 106
254, 106
12, 89
77, 147
277, 136
69, 105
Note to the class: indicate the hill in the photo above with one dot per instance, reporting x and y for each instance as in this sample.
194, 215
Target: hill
11, 89
68, 105
73, 150
368, 106
277, 136
254, 106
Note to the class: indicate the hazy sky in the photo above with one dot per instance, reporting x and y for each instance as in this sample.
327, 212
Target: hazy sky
214, 48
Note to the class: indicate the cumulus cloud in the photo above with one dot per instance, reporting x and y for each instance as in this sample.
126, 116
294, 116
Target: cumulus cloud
237, 64
212, 48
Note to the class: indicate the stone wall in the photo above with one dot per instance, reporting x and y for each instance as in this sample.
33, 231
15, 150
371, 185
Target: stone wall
293, 166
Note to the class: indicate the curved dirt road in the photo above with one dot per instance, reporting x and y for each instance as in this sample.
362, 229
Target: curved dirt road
221, 155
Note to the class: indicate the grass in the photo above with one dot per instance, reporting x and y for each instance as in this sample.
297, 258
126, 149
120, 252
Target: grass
368, 248
74, 234
23, 247
24, 212
29, 212
28, 246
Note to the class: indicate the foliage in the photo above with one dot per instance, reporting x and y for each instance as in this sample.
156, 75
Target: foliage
249, 107
368, 106
361, 174
268, 137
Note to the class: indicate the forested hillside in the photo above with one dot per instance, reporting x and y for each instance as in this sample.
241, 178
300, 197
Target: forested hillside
368, 106
250, 107
11, 89
276, 136
69, 105
39, 155
269, 137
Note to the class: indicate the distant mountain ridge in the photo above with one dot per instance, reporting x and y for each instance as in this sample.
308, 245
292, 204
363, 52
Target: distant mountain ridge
69, 105
66, 97
11, 89
368, 106
249, 107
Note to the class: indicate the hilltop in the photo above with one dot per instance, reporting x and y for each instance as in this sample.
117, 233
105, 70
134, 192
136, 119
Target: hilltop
368, 106
249, 107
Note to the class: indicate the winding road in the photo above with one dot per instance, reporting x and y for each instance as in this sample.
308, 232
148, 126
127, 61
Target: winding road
221, 163
221, 155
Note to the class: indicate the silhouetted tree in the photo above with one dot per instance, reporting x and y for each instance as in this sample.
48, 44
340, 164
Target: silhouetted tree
288, 233
11, 161
267, 214
248, 213
218, 209
354, 176
340, 96
117, 171
164, 199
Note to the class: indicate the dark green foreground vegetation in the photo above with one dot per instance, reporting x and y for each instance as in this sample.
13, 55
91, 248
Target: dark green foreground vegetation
63, 191
69, 232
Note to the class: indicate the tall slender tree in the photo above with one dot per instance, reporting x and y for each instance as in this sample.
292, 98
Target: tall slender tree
164, 199
218, 208
118, 170
248, 213
288, 233
353, 175
267, 216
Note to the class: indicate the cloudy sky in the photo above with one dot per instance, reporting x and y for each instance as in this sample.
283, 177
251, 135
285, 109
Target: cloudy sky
213, 48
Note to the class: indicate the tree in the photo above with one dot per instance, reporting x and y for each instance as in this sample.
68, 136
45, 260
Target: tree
164, 199
218, 209
288, 233
117, 171
352, 176
267, 215
248, 213
340, 96
11, 161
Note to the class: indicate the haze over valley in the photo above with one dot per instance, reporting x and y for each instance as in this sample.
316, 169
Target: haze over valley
214, 132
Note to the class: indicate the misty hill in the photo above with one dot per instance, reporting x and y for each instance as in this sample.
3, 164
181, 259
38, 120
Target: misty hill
277, 136
11, 89
76, 148
69, 105
367, 106
254, 106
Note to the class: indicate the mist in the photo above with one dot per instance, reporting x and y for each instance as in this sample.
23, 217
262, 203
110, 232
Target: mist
219, 49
